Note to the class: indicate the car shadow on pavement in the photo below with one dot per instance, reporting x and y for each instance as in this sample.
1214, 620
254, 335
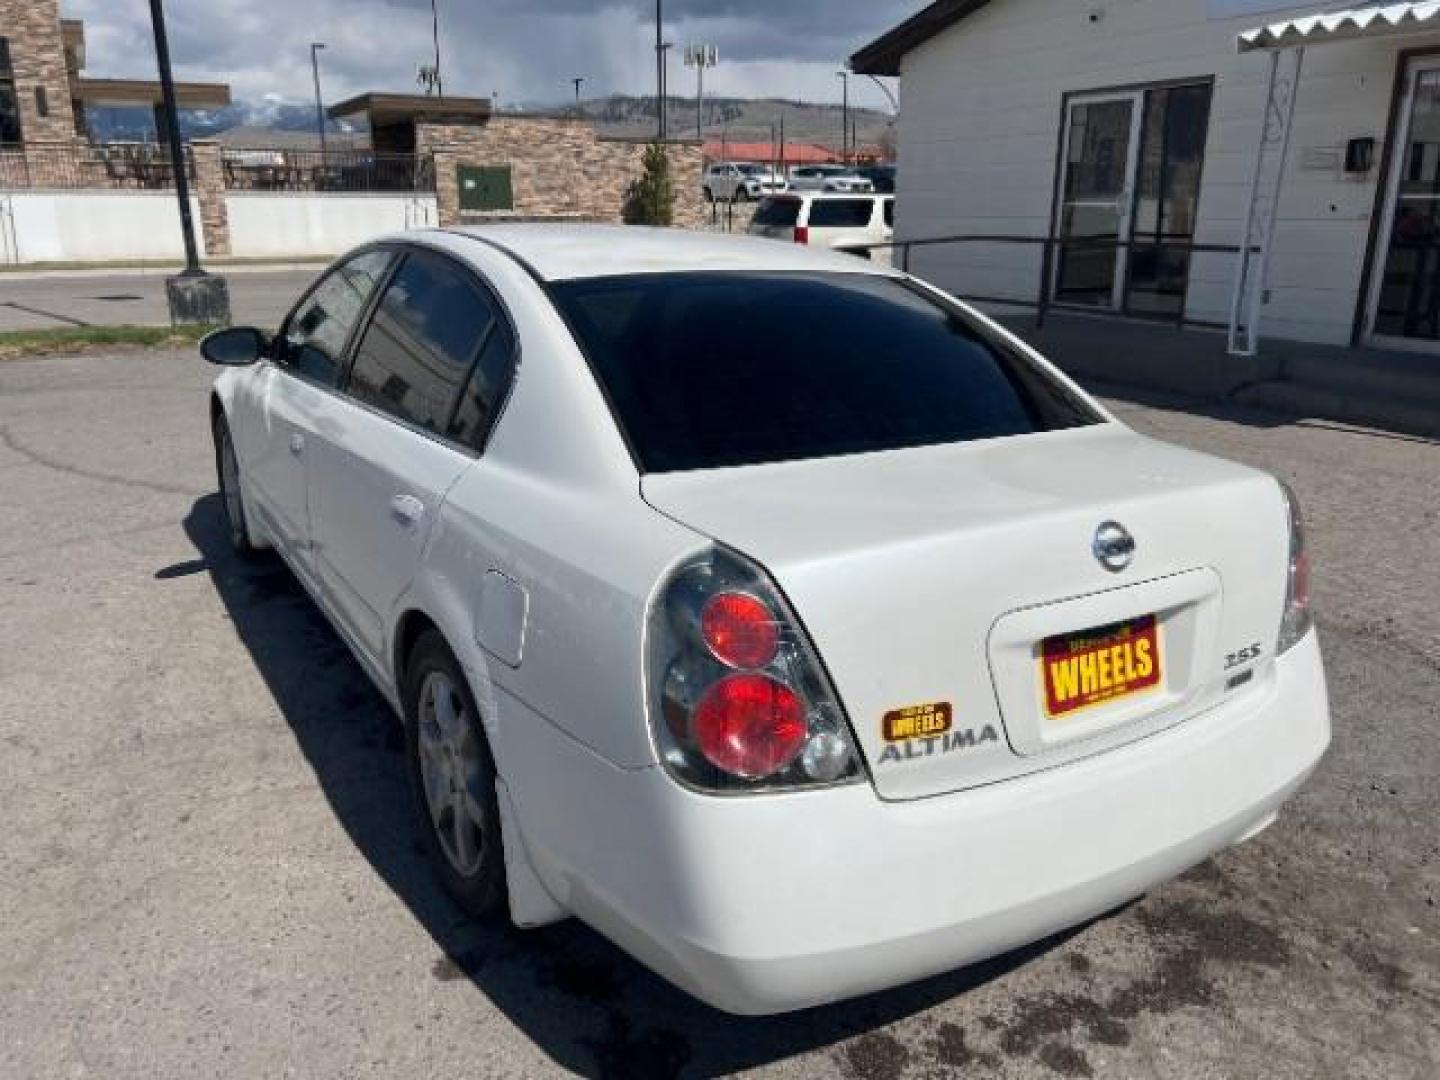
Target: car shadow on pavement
585, 1003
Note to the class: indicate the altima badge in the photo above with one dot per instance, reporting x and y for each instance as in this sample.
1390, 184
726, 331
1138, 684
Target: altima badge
1114, 547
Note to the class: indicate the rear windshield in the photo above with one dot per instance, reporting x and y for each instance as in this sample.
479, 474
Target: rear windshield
708, 370
841, 213
777, 213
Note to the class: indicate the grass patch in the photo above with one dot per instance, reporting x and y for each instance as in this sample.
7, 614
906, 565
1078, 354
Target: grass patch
17, 344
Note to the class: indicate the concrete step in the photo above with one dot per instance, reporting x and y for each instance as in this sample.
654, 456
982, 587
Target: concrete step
1392, 412
1409, 377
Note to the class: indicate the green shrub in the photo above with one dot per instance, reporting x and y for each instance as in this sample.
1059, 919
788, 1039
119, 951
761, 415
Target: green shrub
651, 197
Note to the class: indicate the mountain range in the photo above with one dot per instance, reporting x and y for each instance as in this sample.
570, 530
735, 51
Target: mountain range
739, 119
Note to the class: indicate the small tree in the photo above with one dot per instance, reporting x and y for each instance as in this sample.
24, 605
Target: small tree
651, 197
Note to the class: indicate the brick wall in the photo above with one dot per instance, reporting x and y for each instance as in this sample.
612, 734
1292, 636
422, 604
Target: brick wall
559, 168
37, 54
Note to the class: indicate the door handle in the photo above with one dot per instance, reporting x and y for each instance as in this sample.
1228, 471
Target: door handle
297, 444
406, 509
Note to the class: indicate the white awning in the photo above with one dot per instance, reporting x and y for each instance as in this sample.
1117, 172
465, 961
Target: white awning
1376, 20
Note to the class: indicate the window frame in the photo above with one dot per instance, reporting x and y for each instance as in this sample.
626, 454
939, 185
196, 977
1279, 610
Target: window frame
402, 252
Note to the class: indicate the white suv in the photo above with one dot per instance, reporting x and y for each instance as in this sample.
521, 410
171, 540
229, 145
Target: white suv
740, 182
840, 178
848, 223
792, 624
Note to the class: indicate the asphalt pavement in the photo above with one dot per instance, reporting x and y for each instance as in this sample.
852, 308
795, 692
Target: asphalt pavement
209, 867
42, 300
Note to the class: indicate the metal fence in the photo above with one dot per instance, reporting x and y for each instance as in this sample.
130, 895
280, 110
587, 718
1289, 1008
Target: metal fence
113, 166
335, 171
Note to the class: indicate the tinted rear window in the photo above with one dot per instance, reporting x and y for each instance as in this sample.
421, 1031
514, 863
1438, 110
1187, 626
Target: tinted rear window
777, 213
709, 370
841, 213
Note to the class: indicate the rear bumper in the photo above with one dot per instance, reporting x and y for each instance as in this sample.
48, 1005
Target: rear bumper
769, 904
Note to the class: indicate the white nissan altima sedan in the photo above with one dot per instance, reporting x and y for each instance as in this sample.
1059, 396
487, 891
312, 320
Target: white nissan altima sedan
785, 620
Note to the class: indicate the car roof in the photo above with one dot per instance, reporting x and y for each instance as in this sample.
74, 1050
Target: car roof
569, 252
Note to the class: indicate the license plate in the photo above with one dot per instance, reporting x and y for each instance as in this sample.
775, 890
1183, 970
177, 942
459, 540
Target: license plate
1095, 667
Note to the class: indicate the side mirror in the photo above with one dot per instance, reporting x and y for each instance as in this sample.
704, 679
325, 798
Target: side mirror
235, 346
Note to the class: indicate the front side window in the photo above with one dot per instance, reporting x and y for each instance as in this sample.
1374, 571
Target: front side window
709, 370
315, 335
419, 348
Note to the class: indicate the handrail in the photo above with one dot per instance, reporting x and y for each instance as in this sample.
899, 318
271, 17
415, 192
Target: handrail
1044, 301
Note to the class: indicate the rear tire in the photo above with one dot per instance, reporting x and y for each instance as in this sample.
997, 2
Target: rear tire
452, 777
227, 472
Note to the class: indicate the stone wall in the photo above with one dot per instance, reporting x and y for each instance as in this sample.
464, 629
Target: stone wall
560, 168
210, 191
37, 55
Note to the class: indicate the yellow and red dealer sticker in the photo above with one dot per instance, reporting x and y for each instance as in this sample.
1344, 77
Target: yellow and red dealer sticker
1098, 666
918, 721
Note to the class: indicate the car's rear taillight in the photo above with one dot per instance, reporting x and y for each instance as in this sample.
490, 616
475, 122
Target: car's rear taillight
738, 699
1297, 619
802, 234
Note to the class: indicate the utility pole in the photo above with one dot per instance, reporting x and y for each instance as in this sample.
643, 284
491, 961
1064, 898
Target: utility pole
660, 70
700, 57
315, 47
665, 47
579, 81
435, 31
195, 296
844, 77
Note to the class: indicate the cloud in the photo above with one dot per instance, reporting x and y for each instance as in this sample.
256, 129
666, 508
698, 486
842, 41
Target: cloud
525, 51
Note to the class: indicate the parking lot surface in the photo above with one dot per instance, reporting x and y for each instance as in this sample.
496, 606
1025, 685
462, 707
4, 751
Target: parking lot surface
49, 300
209, 867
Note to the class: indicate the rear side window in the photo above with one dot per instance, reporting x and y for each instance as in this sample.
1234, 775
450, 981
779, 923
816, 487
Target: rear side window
841, 213
890, 213
777, 213
419, 348
486, 388
316, 333
709, 370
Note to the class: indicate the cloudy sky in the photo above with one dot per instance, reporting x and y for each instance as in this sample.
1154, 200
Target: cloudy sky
527, 50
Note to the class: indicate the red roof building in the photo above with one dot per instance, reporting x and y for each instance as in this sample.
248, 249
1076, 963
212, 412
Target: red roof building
765, 152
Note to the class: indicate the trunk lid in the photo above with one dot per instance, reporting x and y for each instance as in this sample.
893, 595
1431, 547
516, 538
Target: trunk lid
971, 632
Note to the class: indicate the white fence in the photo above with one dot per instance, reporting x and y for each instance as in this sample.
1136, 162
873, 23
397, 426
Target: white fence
129, 226
91, 226
277, 225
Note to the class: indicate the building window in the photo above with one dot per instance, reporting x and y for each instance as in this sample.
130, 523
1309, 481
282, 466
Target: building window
42, 101
9, 104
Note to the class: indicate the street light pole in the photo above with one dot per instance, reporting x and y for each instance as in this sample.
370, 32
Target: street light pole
844, 77
579, 81
660, 69
195, 296
315, 47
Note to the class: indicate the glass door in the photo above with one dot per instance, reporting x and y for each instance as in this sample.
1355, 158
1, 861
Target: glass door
1404, 306
1167, 198
1101, 138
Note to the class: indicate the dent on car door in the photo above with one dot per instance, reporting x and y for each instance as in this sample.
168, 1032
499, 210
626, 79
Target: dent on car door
426, 374
291, 389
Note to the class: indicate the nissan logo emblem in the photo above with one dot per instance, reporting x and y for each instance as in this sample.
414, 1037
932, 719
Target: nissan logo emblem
1114, 547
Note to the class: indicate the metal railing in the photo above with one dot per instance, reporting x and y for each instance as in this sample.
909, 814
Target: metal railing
78, 165
1044, 298
335, 171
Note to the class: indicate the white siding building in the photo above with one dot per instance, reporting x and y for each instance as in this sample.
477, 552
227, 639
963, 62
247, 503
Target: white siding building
1140, 121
